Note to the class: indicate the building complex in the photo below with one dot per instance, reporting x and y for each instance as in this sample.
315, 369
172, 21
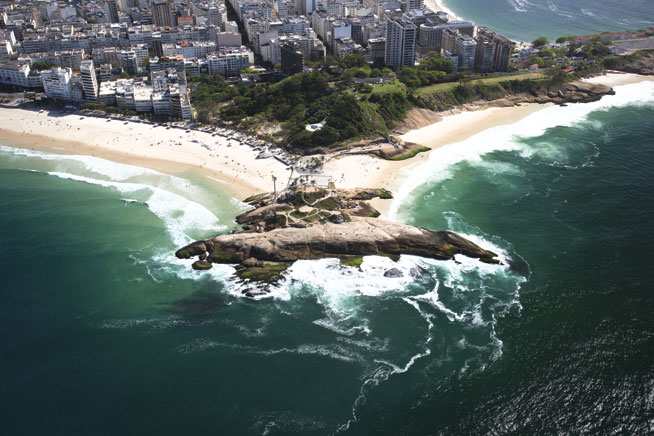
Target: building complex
85, 50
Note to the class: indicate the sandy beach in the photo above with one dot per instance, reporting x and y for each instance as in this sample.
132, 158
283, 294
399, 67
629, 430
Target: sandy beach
365, 171
175, 150
616, 78
167, 150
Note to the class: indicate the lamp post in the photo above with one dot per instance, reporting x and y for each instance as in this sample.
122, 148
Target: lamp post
274, 187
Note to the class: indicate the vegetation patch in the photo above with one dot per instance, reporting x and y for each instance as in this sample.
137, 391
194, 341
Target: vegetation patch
328, 203
254, 198
200, 265
312, 218
385, 194
354, 262
217, 257
311, 197
408, 155
269, 273
297, 214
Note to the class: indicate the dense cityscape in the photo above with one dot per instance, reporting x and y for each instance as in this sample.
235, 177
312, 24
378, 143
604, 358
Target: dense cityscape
137, 55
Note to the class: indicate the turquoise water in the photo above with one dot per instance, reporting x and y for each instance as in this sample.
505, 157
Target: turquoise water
526, 20
103, 331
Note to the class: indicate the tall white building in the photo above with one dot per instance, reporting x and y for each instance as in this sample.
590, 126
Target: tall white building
416, 4
400, 43
141, 53
89, 81
56, 83
465, 48
130, 64
305, 7
215, 16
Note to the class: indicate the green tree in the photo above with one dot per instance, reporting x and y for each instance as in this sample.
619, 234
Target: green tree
435, 62
354, 60
540, 41
556, 75
40, 66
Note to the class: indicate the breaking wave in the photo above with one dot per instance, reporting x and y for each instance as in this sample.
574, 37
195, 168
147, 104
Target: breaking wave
507, 137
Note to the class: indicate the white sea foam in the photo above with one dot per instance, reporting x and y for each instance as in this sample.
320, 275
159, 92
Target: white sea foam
112, 170
519, 5
333, 351
506, 137
338, 282
179, 214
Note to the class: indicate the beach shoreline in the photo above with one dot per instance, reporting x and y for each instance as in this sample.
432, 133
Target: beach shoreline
170, 151
175, 150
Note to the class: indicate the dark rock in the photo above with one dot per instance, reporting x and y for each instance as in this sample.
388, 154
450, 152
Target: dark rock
336, 218
417, 272
393, 273
191, 250
200, 265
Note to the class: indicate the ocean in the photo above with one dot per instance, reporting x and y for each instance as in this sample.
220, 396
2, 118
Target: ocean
103, 331
526, 20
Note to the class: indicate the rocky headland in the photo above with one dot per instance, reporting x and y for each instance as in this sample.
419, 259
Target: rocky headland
314, 223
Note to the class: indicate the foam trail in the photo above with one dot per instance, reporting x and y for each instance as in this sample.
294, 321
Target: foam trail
383, 373
178, 213
427, 352
506, 137
107, 168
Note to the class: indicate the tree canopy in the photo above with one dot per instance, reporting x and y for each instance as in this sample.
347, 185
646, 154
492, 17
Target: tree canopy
540, 41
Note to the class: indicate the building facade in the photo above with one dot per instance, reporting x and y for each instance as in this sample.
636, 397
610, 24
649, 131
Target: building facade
56, 83
89, 80
292, 59
162, 13
400, 43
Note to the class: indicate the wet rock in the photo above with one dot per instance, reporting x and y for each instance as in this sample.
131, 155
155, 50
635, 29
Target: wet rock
417, 272
393, 273
191, 250
201, 265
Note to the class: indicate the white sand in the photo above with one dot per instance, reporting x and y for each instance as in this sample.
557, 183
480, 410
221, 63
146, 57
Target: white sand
168, 150
367, 171
617, 79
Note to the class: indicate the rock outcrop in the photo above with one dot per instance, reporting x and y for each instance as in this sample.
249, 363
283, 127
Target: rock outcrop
359, 237
313, 223
643, 65
575, 92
